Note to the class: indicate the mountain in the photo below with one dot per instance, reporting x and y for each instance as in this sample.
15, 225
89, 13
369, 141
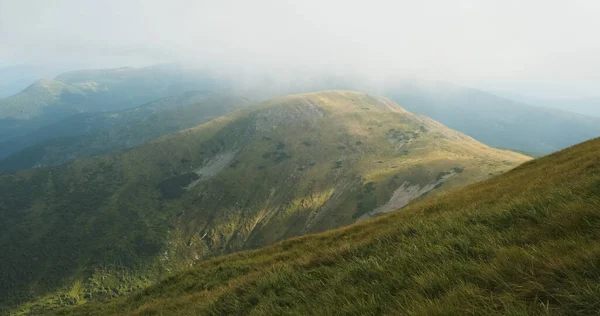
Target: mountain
493, 120
100, 90
105, 226
522, 243
104, 132
47, 101
584, 105
16, 78
587, 106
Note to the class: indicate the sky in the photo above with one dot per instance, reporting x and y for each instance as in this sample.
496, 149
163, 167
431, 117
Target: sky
546, 48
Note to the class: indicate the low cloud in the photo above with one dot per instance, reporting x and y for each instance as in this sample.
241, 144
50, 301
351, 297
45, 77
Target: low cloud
502, 43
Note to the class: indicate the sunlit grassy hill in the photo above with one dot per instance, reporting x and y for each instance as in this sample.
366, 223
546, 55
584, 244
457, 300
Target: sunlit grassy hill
523, 243
102, 227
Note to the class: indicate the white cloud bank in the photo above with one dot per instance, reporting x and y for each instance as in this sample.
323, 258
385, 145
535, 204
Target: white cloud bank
504, 43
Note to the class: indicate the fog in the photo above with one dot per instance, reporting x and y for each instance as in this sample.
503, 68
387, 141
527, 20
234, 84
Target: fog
543, 48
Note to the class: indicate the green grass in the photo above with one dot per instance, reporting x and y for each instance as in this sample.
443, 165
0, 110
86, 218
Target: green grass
523, 243
103, 227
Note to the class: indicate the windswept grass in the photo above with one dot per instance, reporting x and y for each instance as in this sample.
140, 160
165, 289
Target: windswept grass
526, 242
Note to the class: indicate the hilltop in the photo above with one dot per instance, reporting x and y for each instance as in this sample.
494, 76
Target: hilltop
105, 226
48, 101
522, 243
16, 78
100, 90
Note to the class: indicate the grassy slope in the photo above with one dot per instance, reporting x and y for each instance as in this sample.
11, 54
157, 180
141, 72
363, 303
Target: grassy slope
102, 227
525, 242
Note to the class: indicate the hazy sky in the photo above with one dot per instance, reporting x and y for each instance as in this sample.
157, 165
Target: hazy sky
548, 46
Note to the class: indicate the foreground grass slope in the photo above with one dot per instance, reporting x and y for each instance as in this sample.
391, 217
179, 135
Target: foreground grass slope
102, 227
525, 242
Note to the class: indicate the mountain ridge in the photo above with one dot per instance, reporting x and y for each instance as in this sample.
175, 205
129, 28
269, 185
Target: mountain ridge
48, 101
282, 168
496, 121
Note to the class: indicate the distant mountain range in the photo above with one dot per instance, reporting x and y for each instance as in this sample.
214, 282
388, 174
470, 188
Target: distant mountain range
45, 110
587, 105
497, 121
48, 101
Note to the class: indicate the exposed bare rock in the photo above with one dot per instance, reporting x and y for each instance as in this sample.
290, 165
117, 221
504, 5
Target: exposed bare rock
405, 194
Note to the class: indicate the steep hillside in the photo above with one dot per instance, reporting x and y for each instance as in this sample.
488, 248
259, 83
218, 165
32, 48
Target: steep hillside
524, 243
106, 132
101, 227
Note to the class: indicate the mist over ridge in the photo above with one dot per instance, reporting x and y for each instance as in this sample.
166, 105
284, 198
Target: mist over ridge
534, 47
